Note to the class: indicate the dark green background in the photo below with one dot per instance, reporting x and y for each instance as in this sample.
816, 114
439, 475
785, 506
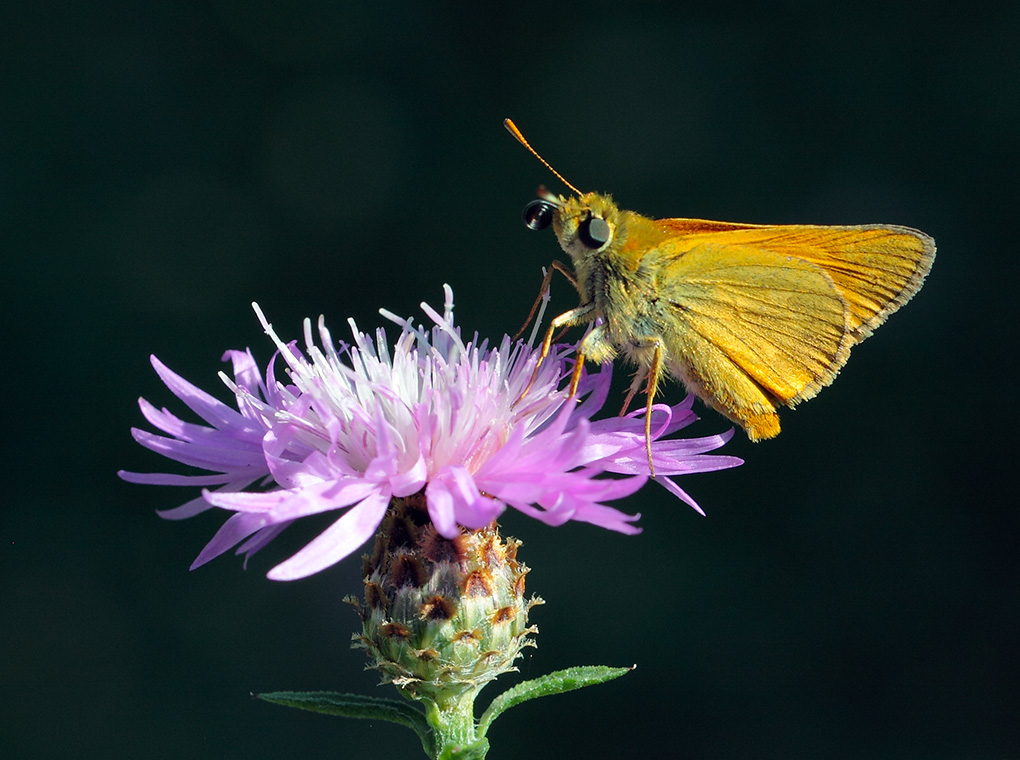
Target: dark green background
854, 591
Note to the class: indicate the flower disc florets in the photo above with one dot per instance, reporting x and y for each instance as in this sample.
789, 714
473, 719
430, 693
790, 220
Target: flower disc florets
359, 425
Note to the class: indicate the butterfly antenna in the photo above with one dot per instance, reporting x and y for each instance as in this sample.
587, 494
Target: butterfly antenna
512, 129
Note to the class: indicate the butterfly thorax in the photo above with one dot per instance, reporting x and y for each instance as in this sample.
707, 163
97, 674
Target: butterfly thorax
616, 275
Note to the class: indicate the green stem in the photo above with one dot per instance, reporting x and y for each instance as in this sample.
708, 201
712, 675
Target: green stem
453, 726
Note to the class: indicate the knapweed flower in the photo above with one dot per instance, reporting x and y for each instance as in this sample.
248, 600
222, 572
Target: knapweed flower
357, 426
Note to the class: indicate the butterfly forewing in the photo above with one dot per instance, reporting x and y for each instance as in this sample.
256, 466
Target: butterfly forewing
875, 268
751, 333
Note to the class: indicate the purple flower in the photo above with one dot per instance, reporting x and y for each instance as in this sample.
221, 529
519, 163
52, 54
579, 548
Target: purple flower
356, 426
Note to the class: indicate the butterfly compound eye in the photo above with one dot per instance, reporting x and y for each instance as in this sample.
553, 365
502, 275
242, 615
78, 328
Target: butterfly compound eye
538, 214
594, 232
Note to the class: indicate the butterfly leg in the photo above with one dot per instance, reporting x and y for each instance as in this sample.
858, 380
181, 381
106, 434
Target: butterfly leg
556, 266
654, 373
575, 376
565, 319
635, 384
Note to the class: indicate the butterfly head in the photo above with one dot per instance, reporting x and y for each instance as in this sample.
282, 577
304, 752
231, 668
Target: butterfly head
584, 225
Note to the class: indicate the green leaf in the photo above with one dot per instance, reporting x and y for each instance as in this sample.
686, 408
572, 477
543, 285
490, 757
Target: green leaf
357, 706
554, 683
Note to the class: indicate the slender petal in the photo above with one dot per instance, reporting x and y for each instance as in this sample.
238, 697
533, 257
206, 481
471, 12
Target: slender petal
336, 542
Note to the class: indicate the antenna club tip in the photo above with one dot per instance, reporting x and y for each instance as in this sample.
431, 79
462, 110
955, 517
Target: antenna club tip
512, 129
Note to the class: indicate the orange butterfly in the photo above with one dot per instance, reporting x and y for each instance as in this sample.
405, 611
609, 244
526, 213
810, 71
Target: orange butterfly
749, 317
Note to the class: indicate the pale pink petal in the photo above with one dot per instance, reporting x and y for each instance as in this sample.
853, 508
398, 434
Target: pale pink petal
209, 408
290, 505
441, 511
338, 540
237, 528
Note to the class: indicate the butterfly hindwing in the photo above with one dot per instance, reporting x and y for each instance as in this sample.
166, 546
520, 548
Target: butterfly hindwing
748, 332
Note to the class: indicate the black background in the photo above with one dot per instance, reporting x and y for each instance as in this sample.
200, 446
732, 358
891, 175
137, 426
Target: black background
853, 591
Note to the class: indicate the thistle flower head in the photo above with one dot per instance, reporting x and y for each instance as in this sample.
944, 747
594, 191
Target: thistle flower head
355, 427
